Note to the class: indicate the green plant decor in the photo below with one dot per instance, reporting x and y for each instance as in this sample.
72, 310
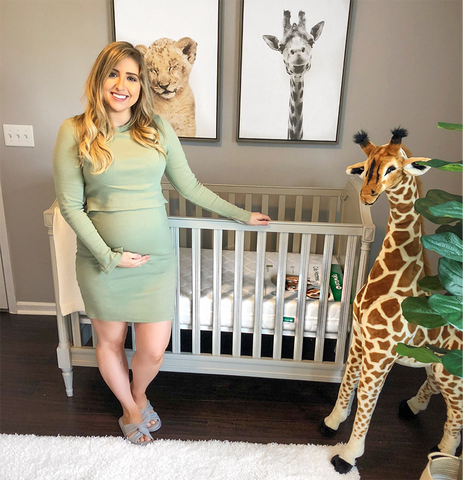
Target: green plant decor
444, 305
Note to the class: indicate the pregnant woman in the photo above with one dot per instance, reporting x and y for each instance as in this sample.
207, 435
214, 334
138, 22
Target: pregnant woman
108, 163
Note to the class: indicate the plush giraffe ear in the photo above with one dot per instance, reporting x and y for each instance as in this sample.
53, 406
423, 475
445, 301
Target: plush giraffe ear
272, 42
361, 138
357, 169
396, 141
412, 168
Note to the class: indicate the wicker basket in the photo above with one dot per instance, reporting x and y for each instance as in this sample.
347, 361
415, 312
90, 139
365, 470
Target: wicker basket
442, 466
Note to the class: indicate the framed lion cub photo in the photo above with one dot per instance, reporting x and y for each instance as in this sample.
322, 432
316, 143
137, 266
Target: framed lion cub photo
180, 40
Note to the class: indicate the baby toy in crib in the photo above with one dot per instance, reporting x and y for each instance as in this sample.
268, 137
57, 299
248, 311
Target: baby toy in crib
378, 324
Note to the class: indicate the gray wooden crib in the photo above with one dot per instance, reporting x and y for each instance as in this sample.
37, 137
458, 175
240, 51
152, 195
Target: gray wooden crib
237, 313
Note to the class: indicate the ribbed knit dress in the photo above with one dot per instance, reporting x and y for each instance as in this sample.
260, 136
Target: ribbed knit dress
123, 209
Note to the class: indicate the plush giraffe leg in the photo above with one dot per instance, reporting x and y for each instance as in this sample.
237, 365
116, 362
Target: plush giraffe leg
408, 409
369, 388
349, 383
452, 390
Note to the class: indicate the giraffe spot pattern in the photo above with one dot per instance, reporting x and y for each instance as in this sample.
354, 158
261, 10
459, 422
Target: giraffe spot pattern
390, 307
410, 274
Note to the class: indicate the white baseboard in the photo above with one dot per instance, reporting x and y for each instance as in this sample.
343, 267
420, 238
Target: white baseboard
36, 308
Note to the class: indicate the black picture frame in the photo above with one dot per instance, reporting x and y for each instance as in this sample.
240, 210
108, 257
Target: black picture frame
264, 111
142, 22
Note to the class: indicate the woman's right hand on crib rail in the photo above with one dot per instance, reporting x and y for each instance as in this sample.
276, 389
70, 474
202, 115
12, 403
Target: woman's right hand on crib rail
258, 218
131, 260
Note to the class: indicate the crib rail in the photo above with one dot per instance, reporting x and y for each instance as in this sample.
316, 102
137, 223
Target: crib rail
282, 204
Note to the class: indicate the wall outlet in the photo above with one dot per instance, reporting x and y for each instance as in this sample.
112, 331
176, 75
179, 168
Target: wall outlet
18, 135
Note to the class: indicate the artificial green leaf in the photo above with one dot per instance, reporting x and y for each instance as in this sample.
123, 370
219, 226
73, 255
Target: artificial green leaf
448, 307
446, 244
436, 197
457, 229
422, 354
448, 209
450, 275
442, 165
452, 362
450, 126
430, 284
435, 349
417, 311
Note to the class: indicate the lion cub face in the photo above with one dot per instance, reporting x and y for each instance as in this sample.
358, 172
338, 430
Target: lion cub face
169, 64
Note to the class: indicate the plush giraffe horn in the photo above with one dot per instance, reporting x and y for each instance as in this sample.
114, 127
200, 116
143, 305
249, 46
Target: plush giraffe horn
396, 141
361, 138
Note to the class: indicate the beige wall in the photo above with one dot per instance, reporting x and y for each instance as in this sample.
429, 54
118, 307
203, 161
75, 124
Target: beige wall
404, 68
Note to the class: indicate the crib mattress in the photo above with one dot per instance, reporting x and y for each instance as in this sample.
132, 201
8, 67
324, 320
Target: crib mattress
269, 301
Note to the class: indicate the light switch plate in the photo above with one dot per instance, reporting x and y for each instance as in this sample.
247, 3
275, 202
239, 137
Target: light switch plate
18, 135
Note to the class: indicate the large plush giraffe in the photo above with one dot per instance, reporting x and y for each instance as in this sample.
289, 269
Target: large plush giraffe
378, 322
296, 47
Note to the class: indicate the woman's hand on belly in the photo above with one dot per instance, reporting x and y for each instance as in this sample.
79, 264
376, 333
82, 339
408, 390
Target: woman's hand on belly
130, 260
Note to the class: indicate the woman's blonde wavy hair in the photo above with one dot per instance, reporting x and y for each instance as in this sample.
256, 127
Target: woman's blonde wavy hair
94, 128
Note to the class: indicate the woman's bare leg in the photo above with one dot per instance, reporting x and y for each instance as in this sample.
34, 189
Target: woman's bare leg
112, 362
151, 340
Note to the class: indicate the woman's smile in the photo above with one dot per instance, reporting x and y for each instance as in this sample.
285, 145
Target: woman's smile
121, 91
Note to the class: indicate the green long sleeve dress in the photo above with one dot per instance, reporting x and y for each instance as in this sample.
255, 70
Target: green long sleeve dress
123, 209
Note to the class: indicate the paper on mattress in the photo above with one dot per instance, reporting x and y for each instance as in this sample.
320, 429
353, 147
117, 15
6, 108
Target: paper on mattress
269, 302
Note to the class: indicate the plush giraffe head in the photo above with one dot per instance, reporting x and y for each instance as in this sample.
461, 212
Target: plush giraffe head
296, 44
386, 166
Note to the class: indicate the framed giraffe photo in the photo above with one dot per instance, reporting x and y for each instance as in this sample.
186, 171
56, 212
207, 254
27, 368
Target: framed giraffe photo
180, 40
292, 68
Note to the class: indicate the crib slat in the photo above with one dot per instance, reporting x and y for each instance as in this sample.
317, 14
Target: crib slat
259, 295
134, 345
94, 337
238, 293
248, 202
198, 212
182, 206
264, 206
324, 293
280, 296
248, 207
297, 218
232, 200
302, 296
217, 291
333, 209
281, 208
176, 347
281, 212
345, 299
315, 209
196, 289
182, 213
315, 218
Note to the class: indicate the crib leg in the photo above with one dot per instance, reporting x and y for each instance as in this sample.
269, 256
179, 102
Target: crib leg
63, 352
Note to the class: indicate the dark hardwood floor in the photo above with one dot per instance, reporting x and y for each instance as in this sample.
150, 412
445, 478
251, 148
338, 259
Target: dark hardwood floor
202, 407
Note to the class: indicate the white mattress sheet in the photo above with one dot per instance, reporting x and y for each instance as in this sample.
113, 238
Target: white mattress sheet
249, 269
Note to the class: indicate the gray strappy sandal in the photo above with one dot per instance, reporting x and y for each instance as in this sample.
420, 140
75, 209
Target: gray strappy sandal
134, 431
149, 415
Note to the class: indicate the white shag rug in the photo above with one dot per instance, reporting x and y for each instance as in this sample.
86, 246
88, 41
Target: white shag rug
31, 457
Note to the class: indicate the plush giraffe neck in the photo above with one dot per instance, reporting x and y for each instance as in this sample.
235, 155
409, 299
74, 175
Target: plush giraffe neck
402, 254
296, 98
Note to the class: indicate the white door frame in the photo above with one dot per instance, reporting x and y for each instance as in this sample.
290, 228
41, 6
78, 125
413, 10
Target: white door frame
6, 260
